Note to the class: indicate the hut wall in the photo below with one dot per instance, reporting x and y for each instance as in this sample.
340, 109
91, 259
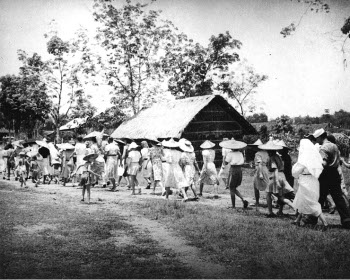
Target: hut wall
212, 123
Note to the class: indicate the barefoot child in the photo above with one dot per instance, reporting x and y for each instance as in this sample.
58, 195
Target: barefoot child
21, 173
86, 180
34, 166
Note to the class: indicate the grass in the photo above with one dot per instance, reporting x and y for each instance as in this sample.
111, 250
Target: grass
252, 245
45, 240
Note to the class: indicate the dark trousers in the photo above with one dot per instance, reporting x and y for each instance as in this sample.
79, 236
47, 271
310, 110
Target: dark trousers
9, 167
330, 184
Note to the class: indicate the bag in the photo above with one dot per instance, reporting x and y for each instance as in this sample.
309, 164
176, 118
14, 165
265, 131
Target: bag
120, 170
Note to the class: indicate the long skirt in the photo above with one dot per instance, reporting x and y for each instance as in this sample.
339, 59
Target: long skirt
306, 199
261, 184
235, 176
46, 168
67, 168
146, 168
112, 167
169, 176
189, 171
157, 169
209, 175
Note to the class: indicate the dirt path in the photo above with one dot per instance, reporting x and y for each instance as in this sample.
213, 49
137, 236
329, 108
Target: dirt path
189, 255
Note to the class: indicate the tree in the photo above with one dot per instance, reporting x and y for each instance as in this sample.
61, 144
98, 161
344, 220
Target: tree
83, 107
23, 98
192, 67
241, 85
257, 118
65, 77
284, 124
342, 119
133, 38
320, 6
111, 118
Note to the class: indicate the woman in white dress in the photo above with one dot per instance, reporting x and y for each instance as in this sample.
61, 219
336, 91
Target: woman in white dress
307, 169
209, 175
135, 165
80, 151
146, 164
113, 155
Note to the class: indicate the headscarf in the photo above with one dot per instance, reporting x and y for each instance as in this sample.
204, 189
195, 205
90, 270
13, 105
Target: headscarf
310, 157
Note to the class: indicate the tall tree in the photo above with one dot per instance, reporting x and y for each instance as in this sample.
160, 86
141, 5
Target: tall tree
241, 85
133, 37
65, 76
192, 67
23, 98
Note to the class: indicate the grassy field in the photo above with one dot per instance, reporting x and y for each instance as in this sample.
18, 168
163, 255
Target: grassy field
47, 233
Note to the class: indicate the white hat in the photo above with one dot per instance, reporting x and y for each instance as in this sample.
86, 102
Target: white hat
318, 132
186, 146
256, 143
170, 144
270, 146
133, 145
207, 144
232, 144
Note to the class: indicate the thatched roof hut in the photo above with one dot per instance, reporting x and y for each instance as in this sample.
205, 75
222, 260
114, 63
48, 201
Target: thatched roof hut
196, 119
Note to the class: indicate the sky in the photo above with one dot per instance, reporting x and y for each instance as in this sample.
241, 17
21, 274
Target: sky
305, 70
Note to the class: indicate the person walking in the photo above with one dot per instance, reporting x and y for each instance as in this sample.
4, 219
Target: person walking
235, 159
330, 180
189, 164
135, 165
209, 175
80, 152
146, 164
307, 170
287, 162
261, 176
224, 172
113, 156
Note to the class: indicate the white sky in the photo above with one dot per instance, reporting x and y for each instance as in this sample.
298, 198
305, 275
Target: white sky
305, 70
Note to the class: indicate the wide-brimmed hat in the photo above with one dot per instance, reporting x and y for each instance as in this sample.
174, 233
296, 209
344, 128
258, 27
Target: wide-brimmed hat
119, 141
207, 144
133, 145
90, 156
42, 143
256, 143
29, 141
170, 143
318, 132
186, 146
18, 144
65, 146
270, 146
233, 144
95, 134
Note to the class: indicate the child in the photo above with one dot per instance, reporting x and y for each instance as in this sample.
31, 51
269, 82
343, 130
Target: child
56, 163
20, 168
86, 178
34, 166
21, 173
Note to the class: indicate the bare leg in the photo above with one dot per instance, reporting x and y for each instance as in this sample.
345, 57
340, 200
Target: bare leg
245, 202
167, 190
297, 220
201, 186
88, 189
113, 184
225, 182
83, 191
132, 184
269, 202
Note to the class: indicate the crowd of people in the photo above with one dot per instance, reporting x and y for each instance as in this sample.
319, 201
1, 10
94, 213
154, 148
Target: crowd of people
99, 160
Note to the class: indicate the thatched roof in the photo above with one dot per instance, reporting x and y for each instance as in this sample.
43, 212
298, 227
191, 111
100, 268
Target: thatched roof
169, 119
